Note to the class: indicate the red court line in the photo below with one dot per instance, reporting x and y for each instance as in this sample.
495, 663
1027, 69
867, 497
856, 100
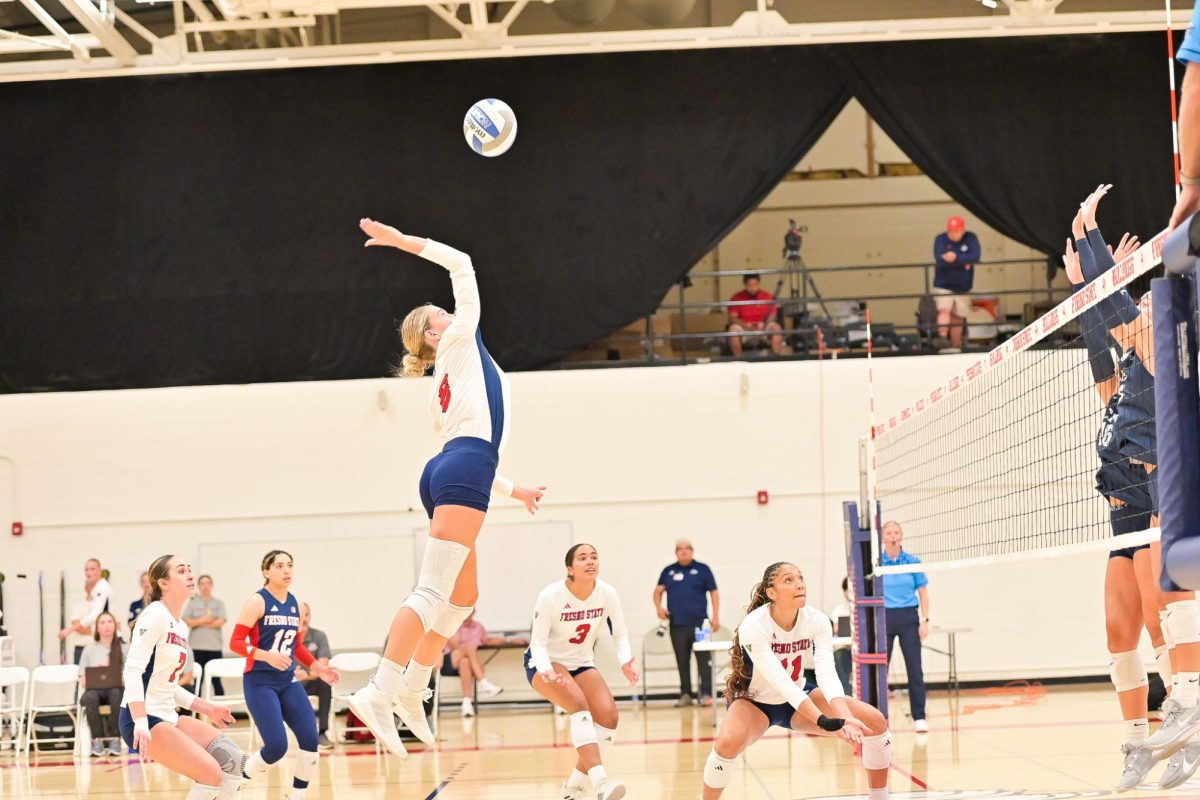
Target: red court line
924, 786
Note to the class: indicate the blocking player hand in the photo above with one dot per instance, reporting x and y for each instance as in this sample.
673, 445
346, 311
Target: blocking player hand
1071, 263
1127, 247
631, 673
381, 235
1092, 203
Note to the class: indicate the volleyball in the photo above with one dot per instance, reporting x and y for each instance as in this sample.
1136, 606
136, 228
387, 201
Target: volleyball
490, 127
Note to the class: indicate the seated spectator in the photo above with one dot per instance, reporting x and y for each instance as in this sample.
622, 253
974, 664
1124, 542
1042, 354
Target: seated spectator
136, 606
461, 658
316, 643
840, 617
955, 254
96, 591
205, 616
106, 650
757, 317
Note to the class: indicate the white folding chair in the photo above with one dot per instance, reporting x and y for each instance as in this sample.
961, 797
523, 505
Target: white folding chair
356, 670
53, 689
13, 701
228, 670
657, 656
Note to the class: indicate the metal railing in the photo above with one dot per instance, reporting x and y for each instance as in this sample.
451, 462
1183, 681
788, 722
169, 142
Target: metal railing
797, 307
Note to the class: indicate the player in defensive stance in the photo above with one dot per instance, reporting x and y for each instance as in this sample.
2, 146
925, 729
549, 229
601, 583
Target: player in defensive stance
468, 399
560, 666
148, 720
266, 634
770, 690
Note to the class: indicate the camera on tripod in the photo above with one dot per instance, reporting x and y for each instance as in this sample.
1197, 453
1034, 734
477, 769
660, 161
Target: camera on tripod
792, 240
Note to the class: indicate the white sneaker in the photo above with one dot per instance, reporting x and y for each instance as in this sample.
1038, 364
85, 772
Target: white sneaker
374, 709
468, 710
574, 792
1138, 763
489, 689
920, 726
1182, 766
410, 708
1179, 725
608, 789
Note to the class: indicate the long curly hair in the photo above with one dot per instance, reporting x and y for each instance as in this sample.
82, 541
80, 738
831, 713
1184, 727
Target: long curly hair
737, 685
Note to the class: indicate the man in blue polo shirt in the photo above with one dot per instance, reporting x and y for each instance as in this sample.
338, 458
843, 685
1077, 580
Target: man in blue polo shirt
686, 582
906, 606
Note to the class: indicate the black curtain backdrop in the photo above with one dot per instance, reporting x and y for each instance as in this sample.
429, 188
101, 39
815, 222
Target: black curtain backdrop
1021, 130
202, 229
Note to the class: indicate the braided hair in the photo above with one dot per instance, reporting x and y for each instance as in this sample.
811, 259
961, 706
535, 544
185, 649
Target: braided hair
737, 685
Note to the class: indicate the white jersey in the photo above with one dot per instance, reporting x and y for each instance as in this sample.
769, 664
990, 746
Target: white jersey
158, 655
778, 656
469, 396
565, 627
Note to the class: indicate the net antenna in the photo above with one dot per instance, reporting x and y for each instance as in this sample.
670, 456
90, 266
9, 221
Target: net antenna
999, 463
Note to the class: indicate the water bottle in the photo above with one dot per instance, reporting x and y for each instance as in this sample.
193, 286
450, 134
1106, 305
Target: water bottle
706, 631
699, 633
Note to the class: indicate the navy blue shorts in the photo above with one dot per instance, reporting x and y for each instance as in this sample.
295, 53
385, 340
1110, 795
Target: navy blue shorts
460, 475
125, 724
1128, 519
531, 671
780, 715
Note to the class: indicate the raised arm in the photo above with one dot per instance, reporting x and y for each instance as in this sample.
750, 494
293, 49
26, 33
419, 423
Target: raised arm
457, 263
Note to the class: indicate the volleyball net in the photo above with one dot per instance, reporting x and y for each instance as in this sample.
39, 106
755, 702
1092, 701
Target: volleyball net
1001, 462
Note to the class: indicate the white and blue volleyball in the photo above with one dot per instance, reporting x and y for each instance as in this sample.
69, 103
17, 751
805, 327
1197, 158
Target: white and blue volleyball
490, 127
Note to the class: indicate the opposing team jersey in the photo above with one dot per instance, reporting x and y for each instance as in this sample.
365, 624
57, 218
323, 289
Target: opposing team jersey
275, 631
157, 657
565, 627
777, 657
469, 396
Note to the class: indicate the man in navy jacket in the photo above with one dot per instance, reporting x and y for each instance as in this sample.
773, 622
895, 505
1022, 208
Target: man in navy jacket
955, 254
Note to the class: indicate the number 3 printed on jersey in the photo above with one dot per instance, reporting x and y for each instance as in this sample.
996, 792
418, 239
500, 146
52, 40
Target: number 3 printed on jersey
581, 633
283, 642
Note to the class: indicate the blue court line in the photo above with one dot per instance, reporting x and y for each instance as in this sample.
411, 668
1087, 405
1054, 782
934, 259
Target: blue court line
445, 783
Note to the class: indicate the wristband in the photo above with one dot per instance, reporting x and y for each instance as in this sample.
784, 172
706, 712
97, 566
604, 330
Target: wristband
831, 725
1188, 180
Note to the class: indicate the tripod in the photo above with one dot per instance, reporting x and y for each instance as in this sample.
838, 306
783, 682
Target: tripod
800, 280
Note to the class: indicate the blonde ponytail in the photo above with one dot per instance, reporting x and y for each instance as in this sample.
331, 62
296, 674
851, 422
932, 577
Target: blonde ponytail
420, 356
737, 685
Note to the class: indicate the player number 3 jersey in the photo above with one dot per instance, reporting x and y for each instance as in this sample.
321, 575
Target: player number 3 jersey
565, 627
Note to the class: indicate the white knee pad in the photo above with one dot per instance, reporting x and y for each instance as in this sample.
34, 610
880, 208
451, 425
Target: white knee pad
306, 766
877, 751
450, 619
1127, 671
1162, 657
583, 732
439, 570
228, 755
1183, 620
606, 737
1166, 631
718, 772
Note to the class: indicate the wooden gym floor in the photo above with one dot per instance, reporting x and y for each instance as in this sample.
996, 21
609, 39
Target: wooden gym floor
1026, 742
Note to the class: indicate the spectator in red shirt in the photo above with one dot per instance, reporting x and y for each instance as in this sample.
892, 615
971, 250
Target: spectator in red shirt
461, 657
758, 317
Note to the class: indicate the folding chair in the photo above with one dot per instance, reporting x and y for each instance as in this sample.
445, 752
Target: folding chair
356, 670
228, 670
657, 655
53, 689
13, 703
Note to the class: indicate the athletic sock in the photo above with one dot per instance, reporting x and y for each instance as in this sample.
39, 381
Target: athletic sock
577, 780
877, 794
389, 678
416, 676
597, 774
1187, 688
1136, 730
